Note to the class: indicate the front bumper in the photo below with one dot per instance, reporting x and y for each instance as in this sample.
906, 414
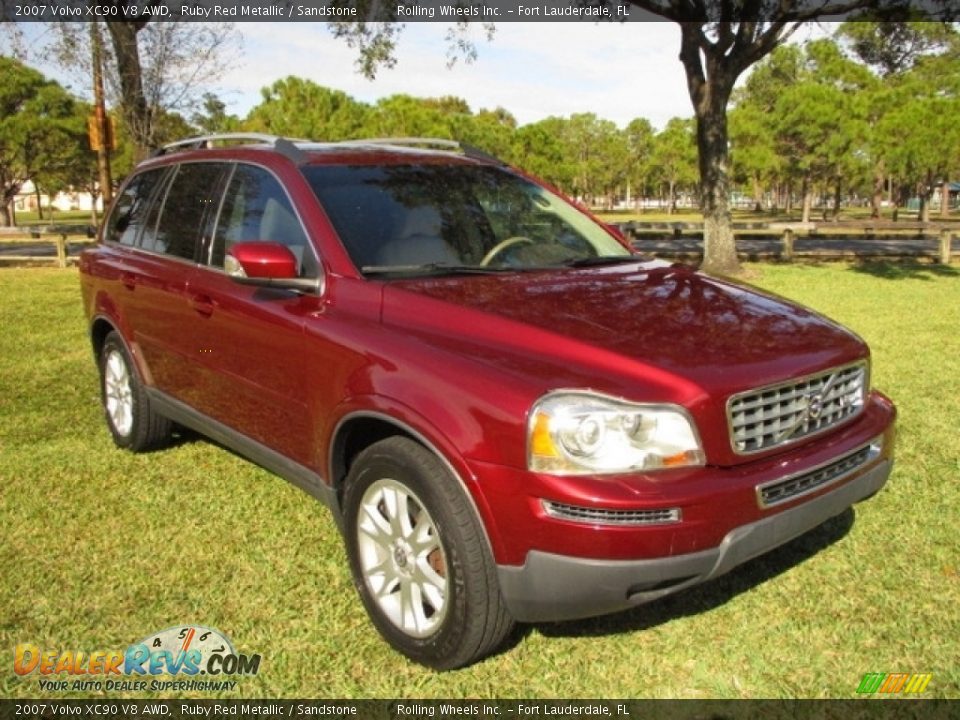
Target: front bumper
550, 587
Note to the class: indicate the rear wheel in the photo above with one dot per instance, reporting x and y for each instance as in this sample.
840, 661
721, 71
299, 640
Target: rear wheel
133, 424
419, 557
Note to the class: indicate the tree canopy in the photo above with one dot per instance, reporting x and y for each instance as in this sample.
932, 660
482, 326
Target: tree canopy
42, 132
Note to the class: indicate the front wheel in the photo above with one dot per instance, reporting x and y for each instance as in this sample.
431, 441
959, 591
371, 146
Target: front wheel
419, 557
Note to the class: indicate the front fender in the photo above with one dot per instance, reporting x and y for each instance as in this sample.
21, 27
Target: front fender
442, 443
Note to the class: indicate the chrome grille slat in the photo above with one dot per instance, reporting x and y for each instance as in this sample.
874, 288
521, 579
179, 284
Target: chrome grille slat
787, 489
780, 414
604, 516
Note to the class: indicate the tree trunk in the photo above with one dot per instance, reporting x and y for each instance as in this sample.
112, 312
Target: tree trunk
719, 244
877, 200
945, 198
36, 193
757, 194
923, 212
807, 201
709, 89
837, 192
925, 191
672, 207
6, 214
136, 110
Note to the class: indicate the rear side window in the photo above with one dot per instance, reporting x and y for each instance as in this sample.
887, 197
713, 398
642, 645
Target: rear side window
130, 212
256, 208
189, 205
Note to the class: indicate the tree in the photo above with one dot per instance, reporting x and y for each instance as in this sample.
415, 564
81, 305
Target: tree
73, 165
639, 136
214, 117
540, 149
798, 116
675, 158
41, 128
893, 50
715, 51
489, 130
754, 151
894, 47
593, 148
919, 135
812, 134
300, 108
408, 116
151, 68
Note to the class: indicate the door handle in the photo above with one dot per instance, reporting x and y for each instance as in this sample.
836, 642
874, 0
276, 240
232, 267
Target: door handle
203, 304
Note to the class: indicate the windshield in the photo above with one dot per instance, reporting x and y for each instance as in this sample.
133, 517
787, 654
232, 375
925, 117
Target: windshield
430, 217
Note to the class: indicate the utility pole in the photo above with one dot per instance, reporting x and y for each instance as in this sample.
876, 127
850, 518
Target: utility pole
102, 138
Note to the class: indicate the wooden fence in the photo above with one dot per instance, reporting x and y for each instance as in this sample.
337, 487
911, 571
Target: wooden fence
60, 236
787, 241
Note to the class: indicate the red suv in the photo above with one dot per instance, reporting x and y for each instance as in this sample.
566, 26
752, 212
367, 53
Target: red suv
511, 415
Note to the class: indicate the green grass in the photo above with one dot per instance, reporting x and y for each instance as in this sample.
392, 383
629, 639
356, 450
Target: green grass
102, 547
50, 217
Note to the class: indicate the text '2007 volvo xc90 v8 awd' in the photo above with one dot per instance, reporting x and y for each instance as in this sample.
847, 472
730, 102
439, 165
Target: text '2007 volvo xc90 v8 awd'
511, 415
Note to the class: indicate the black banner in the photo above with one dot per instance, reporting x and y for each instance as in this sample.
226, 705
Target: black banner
488, 11
486, 709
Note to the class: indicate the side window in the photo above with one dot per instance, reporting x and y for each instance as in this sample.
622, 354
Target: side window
130, 212
187, 208
256, 208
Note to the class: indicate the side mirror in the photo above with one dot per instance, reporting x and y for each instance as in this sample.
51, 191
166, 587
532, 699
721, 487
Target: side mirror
266, 264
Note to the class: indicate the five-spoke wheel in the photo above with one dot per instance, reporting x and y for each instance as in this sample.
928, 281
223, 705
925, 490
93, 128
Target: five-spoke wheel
419, 556
132, 422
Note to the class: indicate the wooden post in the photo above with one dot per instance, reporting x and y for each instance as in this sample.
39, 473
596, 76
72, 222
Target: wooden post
788, 245
61, 250
946, 238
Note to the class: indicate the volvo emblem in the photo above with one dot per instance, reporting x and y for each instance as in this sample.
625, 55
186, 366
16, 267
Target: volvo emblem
814, 406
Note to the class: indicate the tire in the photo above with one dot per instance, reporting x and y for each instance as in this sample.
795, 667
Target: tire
133, 424
426, 575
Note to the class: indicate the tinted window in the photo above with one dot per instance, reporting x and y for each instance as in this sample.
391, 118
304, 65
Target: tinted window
131, 209
256, 208
189, 205
402, 215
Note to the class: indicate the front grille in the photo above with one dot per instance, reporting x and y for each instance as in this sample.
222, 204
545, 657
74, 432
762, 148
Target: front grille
784, 413
780, 491
602, 516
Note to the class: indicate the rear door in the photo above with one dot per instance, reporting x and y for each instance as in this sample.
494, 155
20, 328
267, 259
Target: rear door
169, 245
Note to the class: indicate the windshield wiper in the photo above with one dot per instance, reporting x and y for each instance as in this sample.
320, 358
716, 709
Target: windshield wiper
434, 268
602, 260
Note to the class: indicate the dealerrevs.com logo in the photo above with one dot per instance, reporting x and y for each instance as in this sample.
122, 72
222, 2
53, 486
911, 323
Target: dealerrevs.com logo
185, 652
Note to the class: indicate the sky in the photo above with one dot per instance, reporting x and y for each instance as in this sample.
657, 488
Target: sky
534, 70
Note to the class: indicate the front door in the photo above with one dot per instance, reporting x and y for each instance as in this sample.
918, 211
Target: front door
250, 356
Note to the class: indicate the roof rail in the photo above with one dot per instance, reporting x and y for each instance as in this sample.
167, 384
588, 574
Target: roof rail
444, 143
281, 144
289, 148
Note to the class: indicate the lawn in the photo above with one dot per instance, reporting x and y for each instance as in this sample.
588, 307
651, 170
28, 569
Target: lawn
102, 547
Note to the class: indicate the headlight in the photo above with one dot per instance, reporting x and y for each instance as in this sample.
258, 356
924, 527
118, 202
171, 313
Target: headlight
584, 433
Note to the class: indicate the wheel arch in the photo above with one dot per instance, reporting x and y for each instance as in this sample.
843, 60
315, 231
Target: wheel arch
359, 429
99, 329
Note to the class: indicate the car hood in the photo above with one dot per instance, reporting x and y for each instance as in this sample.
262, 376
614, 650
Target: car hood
700, 328
644, 330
